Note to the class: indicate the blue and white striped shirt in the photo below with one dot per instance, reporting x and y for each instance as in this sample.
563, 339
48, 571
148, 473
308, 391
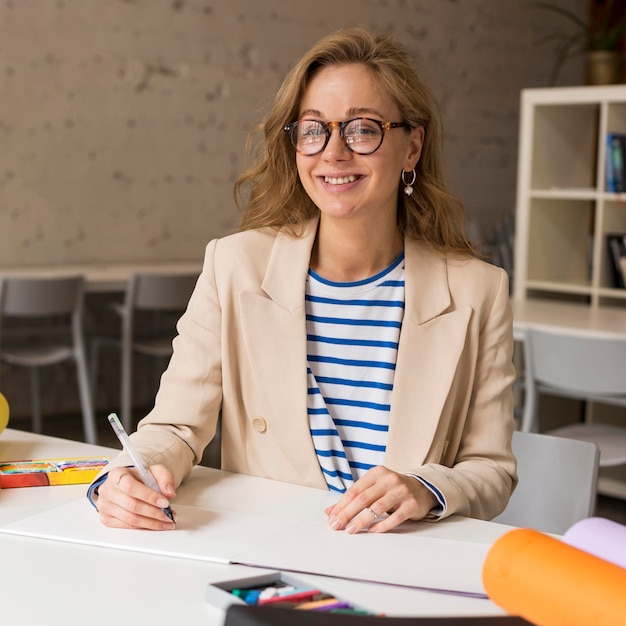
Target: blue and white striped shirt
353, 331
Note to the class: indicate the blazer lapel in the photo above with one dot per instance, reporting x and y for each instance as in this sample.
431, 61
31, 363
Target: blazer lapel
275, 337
431, 343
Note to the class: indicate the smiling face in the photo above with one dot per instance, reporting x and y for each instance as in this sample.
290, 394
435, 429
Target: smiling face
341, 183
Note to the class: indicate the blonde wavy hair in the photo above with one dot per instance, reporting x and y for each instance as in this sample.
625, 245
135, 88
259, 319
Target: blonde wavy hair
277, 198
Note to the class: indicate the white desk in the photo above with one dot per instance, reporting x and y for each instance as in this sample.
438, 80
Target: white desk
45, 581
582, 318
105, 277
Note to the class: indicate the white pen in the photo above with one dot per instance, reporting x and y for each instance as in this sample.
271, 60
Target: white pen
145, 474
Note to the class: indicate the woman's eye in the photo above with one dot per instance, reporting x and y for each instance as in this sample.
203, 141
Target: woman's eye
369, 129
311, 130
363, 130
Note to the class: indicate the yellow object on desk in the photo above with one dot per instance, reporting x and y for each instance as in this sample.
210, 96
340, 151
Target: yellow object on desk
46, 472
4, 412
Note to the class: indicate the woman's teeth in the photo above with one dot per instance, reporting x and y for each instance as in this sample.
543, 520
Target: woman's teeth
339, 181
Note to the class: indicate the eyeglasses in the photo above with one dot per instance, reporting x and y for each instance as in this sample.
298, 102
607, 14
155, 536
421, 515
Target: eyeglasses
362, 135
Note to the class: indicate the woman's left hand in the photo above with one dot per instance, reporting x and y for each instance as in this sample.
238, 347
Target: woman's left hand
379, 501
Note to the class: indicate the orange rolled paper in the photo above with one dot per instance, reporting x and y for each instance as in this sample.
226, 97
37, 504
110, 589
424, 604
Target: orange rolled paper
550, 583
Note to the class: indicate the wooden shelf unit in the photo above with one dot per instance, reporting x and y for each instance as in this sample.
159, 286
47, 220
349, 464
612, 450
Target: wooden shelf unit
563, 211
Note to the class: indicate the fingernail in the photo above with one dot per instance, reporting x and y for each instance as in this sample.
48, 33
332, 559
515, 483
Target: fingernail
162, 503
334, 522
351, 529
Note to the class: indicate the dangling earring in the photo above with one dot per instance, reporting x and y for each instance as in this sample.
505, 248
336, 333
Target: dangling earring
408, 187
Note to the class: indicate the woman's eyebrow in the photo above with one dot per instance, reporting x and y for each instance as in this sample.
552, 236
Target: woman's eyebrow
311, 112
364, 110
352, 112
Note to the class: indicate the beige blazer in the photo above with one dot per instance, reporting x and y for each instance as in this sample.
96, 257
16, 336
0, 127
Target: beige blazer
241, 350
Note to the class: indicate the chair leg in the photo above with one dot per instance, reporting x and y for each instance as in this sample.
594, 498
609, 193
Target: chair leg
89, 420
530, 415
126, 386
95, 356
35, 400
94, 362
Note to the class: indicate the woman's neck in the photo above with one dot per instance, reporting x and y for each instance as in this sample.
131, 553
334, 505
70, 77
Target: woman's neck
350, 252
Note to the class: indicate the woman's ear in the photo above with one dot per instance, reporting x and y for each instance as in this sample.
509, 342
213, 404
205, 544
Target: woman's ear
416, 143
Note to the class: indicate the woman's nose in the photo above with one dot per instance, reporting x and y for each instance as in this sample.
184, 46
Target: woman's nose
336, 147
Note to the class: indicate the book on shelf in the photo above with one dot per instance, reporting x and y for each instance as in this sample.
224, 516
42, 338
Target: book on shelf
615, 168
616, 243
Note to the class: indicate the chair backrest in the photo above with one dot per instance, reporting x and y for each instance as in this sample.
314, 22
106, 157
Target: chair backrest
58, 301
572, 364
557, 482
40, 297
160, 292
581, 364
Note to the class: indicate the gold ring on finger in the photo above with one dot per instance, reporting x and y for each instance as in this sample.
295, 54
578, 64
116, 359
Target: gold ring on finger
371, 511
119, 478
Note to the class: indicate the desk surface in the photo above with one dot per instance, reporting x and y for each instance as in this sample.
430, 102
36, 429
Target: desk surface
104, 277
580, 317
46, 581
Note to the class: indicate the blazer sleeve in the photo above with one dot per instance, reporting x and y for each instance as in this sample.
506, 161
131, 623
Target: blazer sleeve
476, 478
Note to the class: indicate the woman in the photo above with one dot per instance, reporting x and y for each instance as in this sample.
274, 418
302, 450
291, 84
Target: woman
348, 334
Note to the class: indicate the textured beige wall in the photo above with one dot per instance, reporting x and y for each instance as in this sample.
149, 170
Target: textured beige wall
123, 122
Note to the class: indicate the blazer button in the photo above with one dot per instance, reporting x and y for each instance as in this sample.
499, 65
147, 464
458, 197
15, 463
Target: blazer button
259, 424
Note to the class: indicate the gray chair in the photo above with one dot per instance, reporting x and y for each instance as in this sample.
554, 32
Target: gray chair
151, 306
47, 330
584, 366
557, 482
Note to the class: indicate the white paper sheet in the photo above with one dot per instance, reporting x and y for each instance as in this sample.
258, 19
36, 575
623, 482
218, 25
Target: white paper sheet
208, 535
405, 557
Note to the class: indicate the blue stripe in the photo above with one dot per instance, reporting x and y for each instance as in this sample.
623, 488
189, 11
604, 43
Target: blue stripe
367, 425
318, 432
312, 391
329, 453
351, 362
432, 487
350, 322
333, 488
363, 445
323, 411
355, 383
353, 342
398, 304
365, 466
336, 473
361, 404
392, 283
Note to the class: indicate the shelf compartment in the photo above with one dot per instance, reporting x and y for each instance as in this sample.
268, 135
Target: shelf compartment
565, 147
560, 242
616, 117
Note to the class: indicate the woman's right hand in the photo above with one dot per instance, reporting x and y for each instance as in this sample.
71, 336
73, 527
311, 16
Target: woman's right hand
125, 502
